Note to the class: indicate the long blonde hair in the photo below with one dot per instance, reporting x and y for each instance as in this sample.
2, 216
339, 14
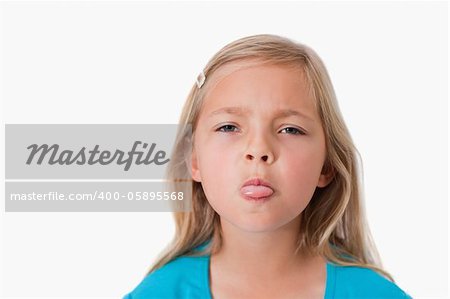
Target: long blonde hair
333, 224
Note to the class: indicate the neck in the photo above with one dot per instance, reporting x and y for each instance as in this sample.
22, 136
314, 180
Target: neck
260, 254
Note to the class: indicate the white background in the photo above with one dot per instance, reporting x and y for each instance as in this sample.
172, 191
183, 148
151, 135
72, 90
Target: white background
118, 62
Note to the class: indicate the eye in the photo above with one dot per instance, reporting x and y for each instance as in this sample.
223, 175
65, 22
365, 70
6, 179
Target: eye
293, 131
227, 128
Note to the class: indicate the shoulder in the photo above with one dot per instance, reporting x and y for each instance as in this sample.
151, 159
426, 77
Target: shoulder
360, 282
184, 277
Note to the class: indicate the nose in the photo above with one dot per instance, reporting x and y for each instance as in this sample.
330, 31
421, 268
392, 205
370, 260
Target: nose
258, 150
265, 158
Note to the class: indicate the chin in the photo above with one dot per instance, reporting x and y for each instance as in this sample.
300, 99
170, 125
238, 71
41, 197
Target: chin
254, 225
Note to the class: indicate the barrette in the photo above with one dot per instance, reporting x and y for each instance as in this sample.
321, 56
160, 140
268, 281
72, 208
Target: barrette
201, 79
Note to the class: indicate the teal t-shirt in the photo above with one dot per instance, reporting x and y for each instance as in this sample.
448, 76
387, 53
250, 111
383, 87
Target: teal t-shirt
187, 277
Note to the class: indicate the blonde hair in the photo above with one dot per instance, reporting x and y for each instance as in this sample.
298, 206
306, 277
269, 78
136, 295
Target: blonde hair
333, 224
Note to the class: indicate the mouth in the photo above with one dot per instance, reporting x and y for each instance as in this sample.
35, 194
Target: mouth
257, 189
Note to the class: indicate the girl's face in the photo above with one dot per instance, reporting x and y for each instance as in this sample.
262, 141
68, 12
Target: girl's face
259, 122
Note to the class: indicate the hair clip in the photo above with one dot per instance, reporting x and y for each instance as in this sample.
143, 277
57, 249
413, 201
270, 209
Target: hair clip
201, 79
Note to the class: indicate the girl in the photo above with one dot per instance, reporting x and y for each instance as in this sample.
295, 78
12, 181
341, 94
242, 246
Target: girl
276, 205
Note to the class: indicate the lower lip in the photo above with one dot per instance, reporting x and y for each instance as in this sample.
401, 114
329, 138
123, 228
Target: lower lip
257, 199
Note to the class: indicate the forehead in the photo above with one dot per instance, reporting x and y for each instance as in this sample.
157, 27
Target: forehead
253, 85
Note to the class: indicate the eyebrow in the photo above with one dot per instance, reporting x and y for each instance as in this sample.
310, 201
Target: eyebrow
241, 111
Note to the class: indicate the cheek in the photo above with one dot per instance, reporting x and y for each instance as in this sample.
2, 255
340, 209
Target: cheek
304, 159
218, 168
303, 166
216, 155
302, 169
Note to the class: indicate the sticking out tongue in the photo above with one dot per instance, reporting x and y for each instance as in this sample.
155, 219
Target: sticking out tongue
256, 191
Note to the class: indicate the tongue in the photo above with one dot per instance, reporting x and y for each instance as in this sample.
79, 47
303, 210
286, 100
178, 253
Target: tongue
256, 191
